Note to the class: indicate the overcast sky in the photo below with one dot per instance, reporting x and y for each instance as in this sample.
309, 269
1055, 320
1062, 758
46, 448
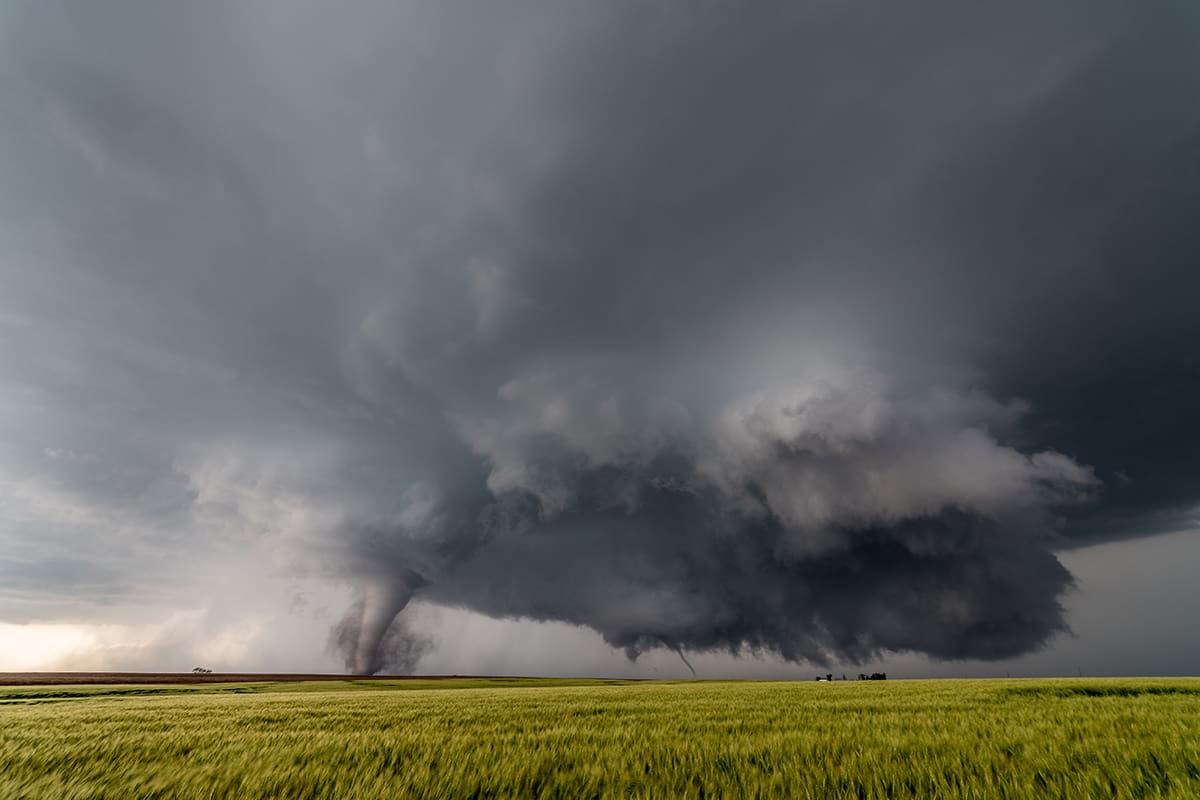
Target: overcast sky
763, 338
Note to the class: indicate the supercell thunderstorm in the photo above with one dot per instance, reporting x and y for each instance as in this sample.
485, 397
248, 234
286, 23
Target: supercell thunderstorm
795, 330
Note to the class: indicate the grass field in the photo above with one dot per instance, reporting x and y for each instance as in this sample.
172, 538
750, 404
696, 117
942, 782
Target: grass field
1127, 738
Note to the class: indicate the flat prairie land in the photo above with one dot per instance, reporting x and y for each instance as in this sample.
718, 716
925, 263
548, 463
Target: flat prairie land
530, 738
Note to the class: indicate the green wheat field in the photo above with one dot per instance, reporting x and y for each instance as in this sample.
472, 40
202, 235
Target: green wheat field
475, 738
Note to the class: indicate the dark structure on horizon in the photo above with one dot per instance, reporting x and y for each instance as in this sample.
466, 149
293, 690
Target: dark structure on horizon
862, 676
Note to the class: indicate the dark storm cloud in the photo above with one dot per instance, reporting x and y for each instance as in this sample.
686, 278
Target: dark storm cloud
809, 328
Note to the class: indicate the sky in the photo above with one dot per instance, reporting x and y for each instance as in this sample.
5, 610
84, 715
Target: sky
751, 339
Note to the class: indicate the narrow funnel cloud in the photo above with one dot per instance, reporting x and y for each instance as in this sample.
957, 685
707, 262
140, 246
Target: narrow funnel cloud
836, 516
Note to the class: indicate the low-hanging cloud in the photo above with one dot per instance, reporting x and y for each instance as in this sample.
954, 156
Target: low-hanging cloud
829, 517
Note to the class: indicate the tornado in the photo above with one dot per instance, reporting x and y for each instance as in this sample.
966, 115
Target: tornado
361, 634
